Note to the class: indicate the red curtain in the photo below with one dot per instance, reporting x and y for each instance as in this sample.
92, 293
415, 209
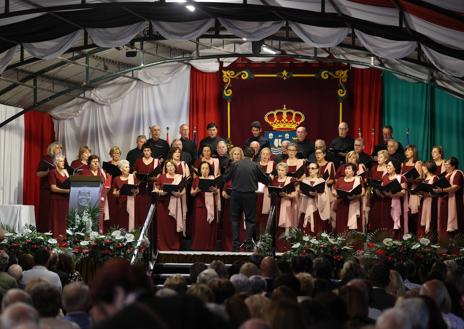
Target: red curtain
205, 94
367, 105
38, 133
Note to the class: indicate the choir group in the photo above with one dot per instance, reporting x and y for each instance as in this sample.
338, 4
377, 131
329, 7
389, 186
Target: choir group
333, 189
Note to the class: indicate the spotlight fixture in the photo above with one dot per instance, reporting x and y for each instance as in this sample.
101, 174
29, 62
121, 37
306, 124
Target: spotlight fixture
190, 8
269, 50
244, 39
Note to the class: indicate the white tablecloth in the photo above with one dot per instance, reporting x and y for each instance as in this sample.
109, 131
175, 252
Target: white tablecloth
16, 216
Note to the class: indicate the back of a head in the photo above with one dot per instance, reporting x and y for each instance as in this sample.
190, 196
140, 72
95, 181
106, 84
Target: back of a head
436, 290
356, 302
255, 324
257, 284
285, 314
26, 261
4, 259
306, 283
46, 300
76, 297
201, 291
268, 267
177, 283
302, 264
14, 296
379, 275
222, 289
248, 152
220, 268
16, 272
322, 268
41, 256
289, 281
334, 304
258, 305
417, 311
195, 270
207, 276
249, 269
17, 314
241, 283
393, 319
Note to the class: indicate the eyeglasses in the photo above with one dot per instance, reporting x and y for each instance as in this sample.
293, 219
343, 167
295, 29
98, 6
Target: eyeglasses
291, 150
313, 168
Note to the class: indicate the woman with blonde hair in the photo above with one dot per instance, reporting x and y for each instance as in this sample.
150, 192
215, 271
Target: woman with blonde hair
263, 202
81, 163
45, 165
115, 154
378, 204
59, 196
125, 203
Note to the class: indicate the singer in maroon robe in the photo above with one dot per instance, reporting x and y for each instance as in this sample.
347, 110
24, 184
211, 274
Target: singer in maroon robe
378, 203
205, 216
125, 217
81, 163
59, 197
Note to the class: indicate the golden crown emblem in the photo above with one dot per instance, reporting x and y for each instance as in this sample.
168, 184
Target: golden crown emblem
284, 119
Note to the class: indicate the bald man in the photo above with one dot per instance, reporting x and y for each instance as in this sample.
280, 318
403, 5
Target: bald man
342, 144
159, 147
304, 145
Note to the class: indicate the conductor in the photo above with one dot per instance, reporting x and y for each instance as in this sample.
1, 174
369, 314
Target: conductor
245, 175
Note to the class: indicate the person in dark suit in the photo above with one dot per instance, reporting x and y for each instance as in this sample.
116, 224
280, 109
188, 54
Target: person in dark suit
379, 276
341, 144
212, 139
304, 145
187, 145
387, 134
136, 152
159, 147
364, 158
394, 152
256, 131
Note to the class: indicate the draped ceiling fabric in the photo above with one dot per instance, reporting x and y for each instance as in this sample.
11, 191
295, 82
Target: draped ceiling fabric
123, 109
11, 157
435, 26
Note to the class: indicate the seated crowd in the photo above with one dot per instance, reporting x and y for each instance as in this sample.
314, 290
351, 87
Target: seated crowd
331, 189
259, 293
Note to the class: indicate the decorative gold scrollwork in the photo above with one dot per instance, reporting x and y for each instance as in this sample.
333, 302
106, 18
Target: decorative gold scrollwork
227, 77
341, 76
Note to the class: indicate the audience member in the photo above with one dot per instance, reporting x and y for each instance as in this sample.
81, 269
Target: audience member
76, 303
18, 314
15, 296
39, 270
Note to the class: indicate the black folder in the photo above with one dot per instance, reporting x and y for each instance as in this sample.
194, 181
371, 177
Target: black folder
394, 187
111, 169
174, 187
375, 183
298, 173
442, 182
342, 194
306, 188
127, 189
204, 184
289, 188
146, 176
424, 187
411, 174
65, 184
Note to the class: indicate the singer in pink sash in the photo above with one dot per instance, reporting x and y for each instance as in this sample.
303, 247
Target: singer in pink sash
348, 211
125, 204
428, 210
144, 166
314, 209
286, 213
170, 210
438, 157
206, 207
378, 204
59, 197
451, 207
411, 202
115, 154
206, 155
263, 202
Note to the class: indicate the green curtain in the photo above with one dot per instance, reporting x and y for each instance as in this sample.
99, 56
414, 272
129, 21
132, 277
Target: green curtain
448, 124
407, 105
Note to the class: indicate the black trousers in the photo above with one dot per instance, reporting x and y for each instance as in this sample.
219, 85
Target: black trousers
242, 202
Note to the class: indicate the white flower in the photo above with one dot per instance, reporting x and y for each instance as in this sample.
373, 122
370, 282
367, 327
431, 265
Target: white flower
435, 246
306, 238
346, 248
52, 241
48, 233
93, 235
40, 237
332, 241
424, 241
296, 245
8, 234
84, 243
396, 242
388, 241
69, 232
101, 236
415, 246
4, 241
27, 231
407, 237
116, 234
129, 237
324, 235
80, 233
314, 241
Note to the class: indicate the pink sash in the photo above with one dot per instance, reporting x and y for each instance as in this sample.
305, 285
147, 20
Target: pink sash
209, 204
395, 211
185, 169
309, 205
130, 207
266, 198
411, 203
177, 208
426, 214
354, 210
452, 223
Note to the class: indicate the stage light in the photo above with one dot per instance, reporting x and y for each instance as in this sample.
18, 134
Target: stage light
190, 8
244, 39
268, 50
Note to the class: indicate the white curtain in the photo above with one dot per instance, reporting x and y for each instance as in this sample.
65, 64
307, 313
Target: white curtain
444, 63
123, 110
183, 30
252, 31
319, 36
6, 57
51, 49
115, 36
11, 156
386, 48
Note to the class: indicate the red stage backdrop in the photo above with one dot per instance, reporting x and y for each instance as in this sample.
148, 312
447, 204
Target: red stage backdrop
254, 89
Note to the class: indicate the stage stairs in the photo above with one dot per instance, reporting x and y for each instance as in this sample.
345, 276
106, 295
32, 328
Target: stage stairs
168, 263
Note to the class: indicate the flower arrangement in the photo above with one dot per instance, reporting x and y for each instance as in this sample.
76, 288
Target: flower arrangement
99, 247
83, 220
